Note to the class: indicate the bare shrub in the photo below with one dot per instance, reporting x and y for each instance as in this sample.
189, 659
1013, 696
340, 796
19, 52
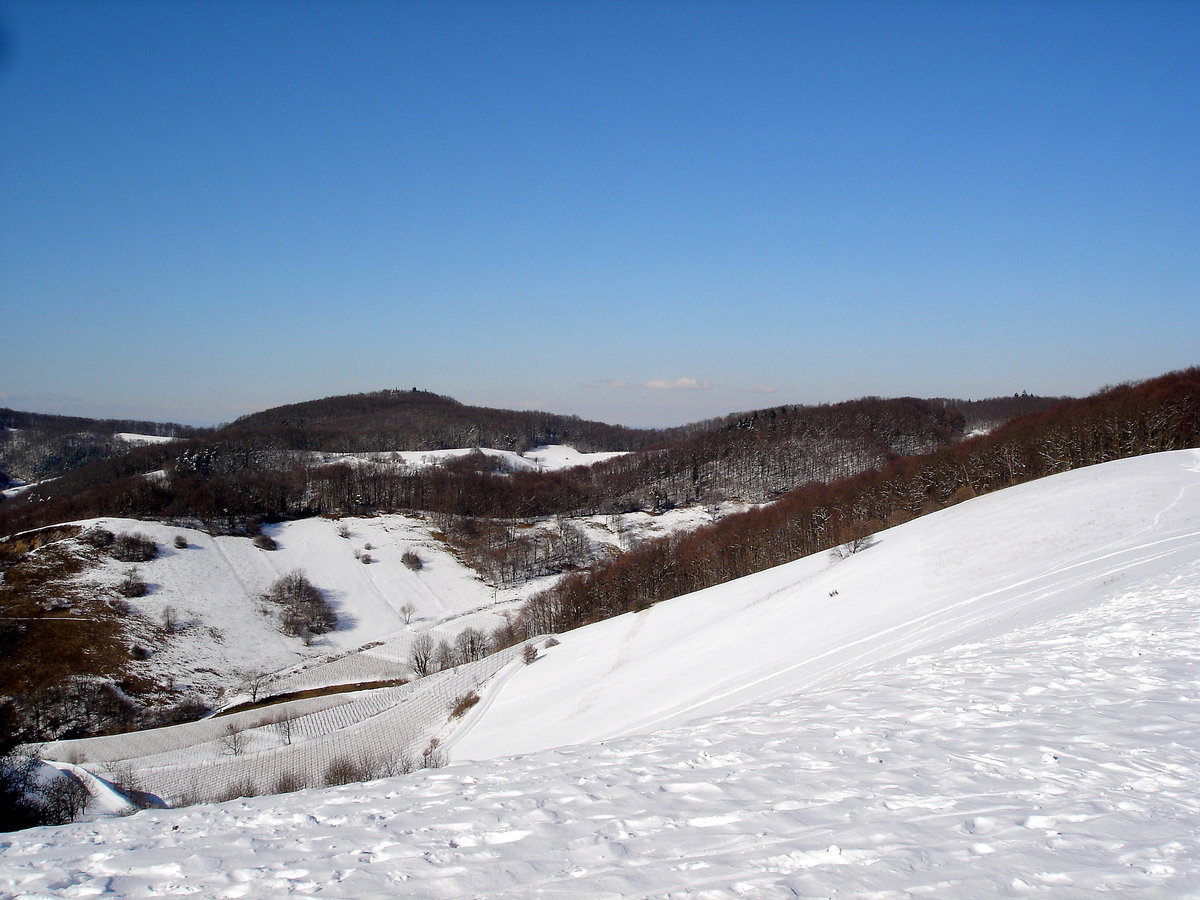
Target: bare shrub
121, 775
100, 538
255, 682
265, 542
412, 560
288, 783
407, 611
64, 798
18, 791
855, 537
306, 612
529, 654
445, 657
368, 546
343, 531
386, 766
552, 642
433, 757
463, 703
470, 644
344, 770
181, 542
366, 559
188, 796
133, 547
132, 584
283, 725
243, 787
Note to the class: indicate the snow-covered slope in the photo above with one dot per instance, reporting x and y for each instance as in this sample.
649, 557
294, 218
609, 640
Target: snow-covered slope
213, 584
549, 458
999, 700
1007, 560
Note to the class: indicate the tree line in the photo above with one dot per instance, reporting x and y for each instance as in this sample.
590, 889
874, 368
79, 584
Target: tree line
237, 475
34, 446
1129, 420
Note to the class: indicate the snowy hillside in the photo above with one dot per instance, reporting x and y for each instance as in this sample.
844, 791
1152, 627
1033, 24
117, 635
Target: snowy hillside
995, 700
211, 586
549, 458
1002, 561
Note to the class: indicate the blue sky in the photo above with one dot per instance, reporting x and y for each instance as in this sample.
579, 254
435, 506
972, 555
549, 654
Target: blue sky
639, 212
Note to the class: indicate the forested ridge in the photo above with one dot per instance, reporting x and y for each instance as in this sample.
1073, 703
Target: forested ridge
262, 467
34, 446
833, 474
421, 420
1129, 420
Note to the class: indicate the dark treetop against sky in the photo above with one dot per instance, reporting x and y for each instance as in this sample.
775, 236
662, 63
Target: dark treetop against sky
642, 212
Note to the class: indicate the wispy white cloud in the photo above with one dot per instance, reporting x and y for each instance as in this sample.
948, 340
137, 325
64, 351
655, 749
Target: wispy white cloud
610, 383
758, 389
679, 384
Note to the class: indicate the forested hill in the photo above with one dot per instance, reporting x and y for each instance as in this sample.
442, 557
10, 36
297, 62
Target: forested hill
421, 420
258, 467
1128, 420
34, 446
759, 455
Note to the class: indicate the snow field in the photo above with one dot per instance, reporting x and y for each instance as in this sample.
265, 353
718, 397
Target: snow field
998, 562
1056, 761
999, 699
550, 458
214, 584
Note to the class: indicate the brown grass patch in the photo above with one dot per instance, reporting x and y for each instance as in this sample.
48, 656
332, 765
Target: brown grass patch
275, 699
54, 625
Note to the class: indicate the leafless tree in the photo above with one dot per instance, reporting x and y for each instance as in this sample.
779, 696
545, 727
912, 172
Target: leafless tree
255, 681
283, 725
233, 740
421, 654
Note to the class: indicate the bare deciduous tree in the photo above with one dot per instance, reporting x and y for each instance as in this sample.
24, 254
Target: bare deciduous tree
283, 725
421, 654
234, 740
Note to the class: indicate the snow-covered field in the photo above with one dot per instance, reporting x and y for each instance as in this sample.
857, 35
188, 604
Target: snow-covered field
1001, 699
130, 438
549, 458
213, 584
212, 587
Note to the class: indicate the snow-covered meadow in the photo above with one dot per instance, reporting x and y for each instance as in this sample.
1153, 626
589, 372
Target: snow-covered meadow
1001, 699
211, 587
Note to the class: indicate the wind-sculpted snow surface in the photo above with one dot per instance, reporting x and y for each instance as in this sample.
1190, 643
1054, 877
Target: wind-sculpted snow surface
1059, 761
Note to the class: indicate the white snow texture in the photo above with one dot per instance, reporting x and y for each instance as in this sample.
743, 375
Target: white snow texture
1000, 700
